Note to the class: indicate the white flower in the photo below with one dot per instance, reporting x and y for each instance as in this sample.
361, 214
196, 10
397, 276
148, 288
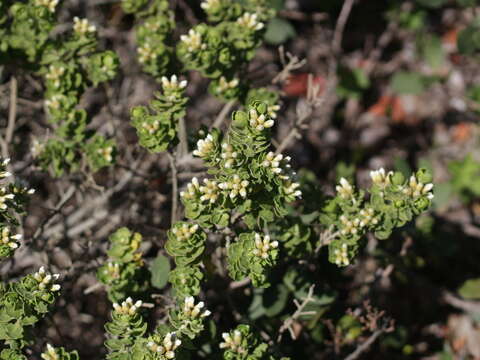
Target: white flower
291, 189
272, 111
127, 307
151, 128
106, 153
274, 161
54, 74
250, 21
191, 310
4, 196
416, 189
113, 269
209, 191
173, 84
146, 53
192, 189
228, 154
259, 122
208, 4
344, 189
204, 146
341, 256
36, 148
193, 40
224, 84
185, 231
82, 26
367, 217
349, 226
4, 174
50, 4
380, 178
262, 246
235, 187
54, 102
232, 342
8, 239
45, 280
168, 346
50, 353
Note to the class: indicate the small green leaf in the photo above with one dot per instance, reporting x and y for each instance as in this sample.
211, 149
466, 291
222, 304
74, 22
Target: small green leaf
470, 289
279, 31
160, 269
405, 82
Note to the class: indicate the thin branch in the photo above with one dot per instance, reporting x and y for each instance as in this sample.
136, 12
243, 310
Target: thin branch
366, 345
340, 26
182, 148
12, 115
173, 168
223, 114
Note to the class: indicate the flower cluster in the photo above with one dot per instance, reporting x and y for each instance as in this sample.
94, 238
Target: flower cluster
232, 341
52, 353
82, 27
263, 246
127, 307
259, 121
193, 41
46, 281
228, 155
341, 256
345, 190
241, 343
204, 147
235, 186
167, 347
191, 310
185, 231
250, 22
416, 189
7, 239
49, 4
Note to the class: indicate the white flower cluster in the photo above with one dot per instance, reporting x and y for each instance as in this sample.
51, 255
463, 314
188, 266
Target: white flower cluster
278, 163
49, 4
228, 155
208, 4
262, 246
127, 307
235, 186
106, 153
193, 311
193, 41
291, 189
250, 21
415, 189
54, 74
192, 188
341, 256
272, 111
4, 196
232, 342
224, 84
113, 269
344, 189
151, 128
380, 177
50, 353
82, 27
46, 281
259, 122
55, 101
8, 239
209, 190
5, 174
167, 348
184, 232
173, 84
204, 146
368, 217
146, 53
352, 227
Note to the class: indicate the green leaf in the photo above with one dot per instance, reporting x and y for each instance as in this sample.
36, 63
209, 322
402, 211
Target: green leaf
405, 82
279, 31
275, 299
470, 289
431, 49
160, 270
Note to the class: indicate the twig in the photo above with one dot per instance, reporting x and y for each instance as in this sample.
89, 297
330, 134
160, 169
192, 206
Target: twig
326, 238
366, 345
12, 115
223, 114
173, 167
93, 288
238, 284
293, 63
340, 26
182, 148
287, 324
468, 306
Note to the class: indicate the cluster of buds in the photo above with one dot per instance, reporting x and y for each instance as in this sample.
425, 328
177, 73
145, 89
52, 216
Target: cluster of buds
228, 155
172, 84
127, 307
259, 122
204, 146
232, 343
184, 232
350, 227
236, 186
4, 196
167, 349
275, 162
3, 169
380, 177
209, 190
54, 74
224, 84
344, 189
192, 188
151, 127
291, 189
272, 111
341, 256
54, 102
193, 41
208, 4
8, 239
46, 281
262, 246
82, 27
368, 217
415, 189
106, 153
50, 353
49, 4
193, 311
146, 53
250, 21
113, 270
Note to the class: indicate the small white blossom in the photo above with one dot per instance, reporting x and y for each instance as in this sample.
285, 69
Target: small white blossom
224, 84
46, 281
250, 21
416, 189
49, 4
274, 162
341, 256
54, 102
185, 231
173, 84
50, 353
36, 148
344, 189
106, 153
208, 4
232, 342
236, 186
229, 155
193, 40
4, 196
8, 239
82, 26
5, 174
204, 146
272, 111
54, 74
349, 226
291, 189
380, 178
367, 217
113, 270
167, 348
146, 53
151, 127
259, 122
262, 246
192, 188
191, 310
209, 191
127, 307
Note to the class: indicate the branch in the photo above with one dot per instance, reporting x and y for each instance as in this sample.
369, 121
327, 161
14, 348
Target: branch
173, 167
366, 345
223, 114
